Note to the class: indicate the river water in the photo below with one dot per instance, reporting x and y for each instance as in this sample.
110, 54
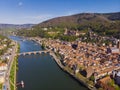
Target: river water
40, 72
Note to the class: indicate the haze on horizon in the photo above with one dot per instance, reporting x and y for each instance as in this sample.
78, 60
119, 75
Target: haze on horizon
36, 11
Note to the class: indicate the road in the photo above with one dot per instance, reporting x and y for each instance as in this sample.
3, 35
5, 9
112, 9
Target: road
10, 62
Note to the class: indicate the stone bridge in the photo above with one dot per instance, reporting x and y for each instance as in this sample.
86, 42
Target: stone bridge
33, 52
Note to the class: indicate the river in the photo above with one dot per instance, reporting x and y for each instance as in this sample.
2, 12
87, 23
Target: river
40, 72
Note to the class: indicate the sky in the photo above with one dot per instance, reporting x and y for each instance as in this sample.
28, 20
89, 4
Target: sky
36, 11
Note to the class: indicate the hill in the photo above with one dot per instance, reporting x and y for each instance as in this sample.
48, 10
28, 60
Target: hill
82, 18
107, 24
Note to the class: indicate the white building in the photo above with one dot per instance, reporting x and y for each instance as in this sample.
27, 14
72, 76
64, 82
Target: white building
3, 67
115, 50
2, 77
45, 29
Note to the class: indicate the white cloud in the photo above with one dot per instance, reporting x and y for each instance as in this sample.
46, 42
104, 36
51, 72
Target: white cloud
20, 3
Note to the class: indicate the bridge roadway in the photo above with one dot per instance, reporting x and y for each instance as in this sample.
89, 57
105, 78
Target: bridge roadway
33, 52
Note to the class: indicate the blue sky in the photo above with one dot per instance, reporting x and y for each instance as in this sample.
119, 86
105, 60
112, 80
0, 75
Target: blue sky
36, 11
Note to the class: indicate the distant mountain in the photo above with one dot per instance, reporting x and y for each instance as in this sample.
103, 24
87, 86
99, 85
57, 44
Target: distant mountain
13, 26
83, 18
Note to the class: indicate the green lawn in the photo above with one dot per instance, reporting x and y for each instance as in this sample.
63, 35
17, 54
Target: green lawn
0, 86
11, 87
12, 74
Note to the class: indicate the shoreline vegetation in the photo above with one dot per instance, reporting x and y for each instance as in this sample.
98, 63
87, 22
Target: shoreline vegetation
14, 69
43, 46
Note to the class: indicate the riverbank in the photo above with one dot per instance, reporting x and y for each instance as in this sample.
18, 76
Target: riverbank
13, 70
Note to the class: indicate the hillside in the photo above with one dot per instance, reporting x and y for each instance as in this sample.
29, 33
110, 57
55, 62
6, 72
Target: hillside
82, 18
